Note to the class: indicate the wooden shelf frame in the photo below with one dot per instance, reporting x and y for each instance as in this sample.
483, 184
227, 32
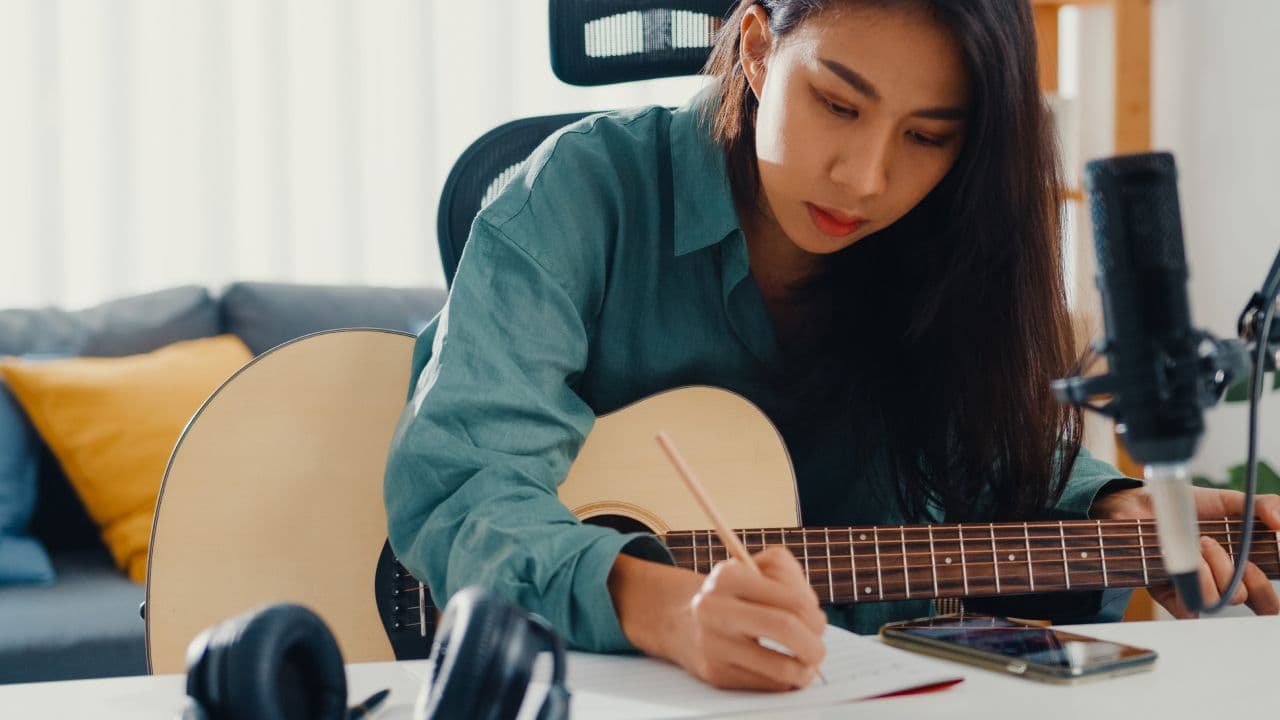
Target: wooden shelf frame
1132, 103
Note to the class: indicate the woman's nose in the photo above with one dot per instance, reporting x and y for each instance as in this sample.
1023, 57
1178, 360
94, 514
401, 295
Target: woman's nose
863, 170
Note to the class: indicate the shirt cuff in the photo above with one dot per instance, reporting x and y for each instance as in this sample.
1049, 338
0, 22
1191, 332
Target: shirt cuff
1077, 501
597, 620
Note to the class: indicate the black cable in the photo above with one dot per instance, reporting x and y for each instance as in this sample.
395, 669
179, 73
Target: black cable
1270, 291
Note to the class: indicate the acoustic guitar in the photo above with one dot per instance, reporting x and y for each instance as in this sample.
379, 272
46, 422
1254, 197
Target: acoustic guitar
273, 493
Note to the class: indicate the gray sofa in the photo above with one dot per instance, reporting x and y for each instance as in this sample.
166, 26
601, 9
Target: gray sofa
86, 623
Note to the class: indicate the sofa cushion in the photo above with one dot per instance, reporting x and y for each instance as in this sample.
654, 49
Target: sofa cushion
86, 625
127, 326
113, 422
265, 315
22, 558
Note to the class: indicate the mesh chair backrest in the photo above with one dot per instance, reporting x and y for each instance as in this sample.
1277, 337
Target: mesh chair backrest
600, 42
593, 42
481, 172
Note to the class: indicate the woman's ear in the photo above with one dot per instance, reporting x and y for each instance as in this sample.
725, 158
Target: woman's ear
754, 42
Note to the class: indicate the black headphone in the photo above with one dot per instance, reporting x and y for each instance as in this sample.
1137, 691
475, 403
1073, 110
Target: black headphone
481, 660
281, 662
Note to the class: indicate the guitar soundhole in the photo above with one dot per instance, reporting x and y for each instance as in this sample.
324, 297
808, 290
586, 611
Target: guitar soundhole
621, 523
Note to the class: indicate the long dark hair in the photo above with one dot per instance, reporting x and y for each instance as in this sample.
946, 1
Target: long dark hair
950, 323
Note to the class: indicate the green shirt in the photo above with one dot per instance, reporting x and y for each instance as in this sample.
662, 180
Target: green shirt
612, 267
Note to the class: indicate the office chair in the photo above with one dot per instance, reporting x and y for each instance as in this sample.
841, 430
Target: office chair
593, 42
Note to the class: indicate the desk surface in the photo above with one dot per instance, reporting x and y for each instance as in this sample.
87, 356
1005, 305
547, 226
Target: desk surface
1221, 667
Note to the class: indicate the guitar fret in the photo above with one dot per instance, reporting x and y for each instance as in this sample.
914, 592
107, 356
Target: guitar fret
1231, 553
1026, 537
1066, 569
804, 538
853, 567
1102, 552
933, 562
875, 532
831, 581
693, 545
1142, 549
995, 557
906, 574
964, 565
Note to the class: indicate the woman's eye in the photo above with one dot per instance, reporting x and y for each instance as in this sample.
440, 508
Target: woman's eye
926, 139
840, 110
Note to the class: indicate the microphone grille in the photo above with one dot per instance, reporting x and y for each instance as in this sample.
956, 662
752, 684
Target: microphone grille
1137, 219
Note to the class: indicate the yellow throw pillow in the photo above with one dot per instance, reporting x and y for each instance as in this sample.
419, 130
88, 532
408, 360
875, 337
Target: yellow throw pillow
112, 423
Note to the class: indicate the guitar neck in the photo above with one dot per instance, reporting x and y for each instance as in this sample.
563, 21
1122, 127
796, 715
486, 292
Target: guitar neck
871, 564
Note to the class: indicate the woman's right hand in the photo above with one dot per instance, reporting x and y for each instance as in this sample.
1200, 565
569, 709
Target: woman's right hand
712, 625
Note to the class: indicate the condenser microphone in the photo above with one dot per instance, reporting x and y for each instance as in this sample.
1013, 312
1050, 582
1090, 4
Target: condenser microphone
1152, 350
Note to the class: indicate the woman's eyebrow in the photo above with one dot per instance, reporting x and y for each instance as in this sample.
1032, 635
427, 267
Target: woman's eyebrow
864, 86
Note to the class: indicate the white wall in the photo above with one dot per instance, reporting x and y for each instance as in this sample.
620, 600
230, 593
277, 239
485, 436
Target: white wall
1217, 102
1216, 107
148, 143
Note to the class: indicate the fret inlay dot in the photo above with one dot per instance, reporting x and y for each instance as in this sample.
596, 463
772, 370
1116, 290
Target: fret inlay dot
1084, 554
863, 536
1011, 556
867, 590
948, 561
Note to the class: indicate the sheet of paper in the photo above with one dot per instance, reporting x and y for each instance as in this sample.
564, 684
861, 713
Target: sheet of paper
627, 687
621, 687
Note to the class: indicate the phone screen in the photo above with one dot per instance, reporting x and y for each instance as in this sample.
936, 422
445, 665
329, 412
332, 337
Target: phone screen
1066, 652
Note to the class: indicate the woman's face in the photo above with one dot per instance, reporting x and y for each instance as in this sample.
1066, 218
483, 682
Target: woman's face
861, 113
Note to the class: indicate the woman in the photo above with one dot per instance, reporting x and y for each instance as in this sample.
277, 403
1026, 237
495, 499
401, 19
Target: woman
856, 228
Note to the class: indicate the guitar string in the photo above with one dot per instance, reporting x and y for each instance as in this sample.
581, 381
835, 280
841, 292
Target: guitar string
1259, 549
1057, 559
1043, 542
1089, 526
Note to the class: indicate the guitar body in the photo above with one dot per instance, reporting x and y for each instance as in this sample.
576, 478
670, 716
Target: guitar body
621, 472
274, 492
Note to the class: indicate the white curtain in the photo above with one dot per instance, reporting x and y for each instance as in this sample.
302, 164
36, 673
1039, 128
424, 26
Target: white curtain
147, 143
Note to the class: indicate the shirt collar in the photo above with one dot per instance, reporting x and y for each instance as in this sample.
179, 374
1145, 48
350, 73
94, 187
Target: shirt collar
703, 209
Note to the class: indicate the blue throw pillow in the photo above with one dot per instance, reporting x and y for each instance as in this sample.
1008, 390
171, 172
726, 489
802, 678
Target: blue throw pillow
22, 558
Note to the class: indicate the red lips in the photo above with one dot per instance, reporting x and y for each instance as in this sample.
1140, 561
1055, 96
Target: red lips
833, 222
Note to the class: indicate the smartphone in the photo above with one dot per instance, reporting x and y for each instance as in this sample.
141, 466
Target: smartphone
1018, 648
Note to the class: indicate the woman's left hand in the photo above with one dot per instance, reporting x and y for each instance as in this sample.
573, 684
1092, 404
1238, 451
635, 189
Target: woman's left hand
1216, 566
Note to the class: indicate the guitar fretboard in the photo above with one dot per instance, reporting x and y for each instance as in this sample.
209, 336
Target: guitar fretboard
860, 564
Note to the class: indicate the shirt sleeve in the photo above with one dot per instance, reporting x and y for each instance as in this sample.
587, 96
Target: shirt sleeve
1089, 478
491, 428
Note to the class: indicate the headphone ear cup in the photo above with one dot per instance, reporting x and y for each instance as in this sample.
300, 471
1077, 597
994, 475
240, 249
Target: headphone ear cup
206, 658
468, 658
556, 706
277, 663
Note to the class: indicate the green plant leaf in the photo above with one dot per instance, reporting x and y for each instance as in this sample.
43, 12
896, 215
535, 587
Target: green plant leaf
1268, 479
1203, 481
1239, 390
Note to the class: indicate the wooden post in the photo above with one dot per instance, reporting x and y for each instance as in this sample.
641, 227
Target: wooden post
1046, 19
1133, 76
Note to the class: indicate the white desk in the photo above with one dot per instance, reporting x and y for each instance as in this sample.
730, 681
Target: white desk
1226, 667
